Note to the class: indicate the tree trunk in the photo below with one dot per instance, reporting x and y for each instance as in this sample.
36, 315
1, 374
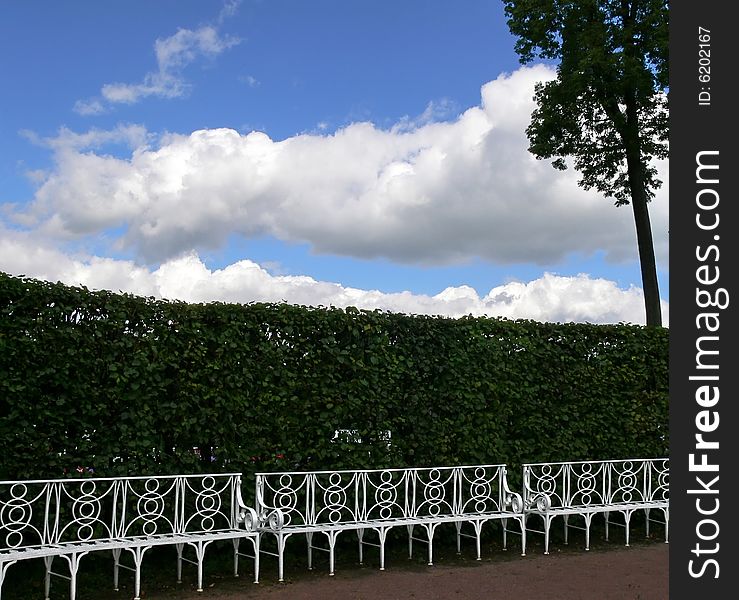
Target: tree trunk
631, 136
644, 240
647, 261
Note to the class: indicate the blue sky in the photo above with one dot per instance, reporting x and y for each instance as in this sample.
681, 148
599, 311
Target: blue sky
319, 152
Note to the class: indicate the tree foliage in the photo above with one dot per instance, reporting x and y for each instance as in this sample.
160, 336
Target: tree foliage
131, 386
607, 108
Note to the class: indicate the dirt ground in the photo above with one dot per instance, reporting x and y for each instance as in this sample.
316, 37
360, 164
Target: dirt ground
624, 574
635, 573
609, 571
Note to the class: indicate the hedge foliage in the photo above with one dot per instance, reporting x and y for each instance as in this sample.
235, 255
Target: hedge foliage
129, 385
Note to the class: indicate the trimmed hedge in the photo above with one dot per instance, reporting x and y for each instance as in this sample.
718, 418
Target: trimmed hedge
129, 385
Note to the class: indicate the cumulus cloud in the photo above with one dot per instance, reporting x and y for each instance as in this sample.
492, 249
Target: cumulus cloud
549, 298
435, 193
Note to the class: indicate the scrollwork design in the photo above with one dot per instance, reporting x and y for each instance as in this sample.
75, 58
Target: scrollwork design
541, 502
276, 520
515, 501
249, 517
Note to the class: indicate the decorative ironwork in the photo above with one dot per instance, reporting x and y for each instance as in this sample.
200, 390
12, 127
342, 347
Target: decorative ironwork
586, 488
70, 517
330, 502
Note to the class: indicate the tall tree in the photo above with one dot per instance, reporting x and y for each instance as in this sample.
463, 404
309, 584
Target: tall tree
607, 108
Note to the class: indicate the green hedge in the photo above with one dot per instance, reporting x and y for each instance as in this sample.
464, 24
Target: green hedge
130, 385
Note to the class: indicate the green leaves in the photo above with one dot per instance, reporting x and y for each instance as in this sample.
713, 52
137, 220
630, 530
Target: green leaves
607, 109
134, 386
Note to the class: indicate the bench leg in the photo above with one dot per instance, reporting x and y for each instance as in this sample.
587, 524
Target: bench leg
588, 520
4, 569
410, 529
331, 535
179, 548
646, 514
607, 514
523, 534
281, 541
458, 525
430, 529
504, 523
382, 533
547, 524
48, 560
666, 512
309, 540
567, 529
478, 534
360, 537
236, 543
522, 522
73, 560
200, 548
116, 567
138, 557
627, 518
256, 542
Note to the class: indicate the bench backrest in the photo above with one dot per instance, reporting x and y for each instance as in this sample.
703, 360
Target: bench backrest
66, 511
345, 497
179, 504
590, 483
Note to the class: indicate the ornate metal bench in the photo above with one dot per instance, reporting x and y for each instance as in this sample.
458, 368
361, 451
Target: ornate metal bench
330, 502
587, 488
70, 518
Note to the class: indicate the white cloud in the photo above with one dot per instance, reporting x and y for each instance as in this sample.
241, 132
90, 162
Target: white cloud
173, 55
131, 135
228, 10
179, 50
435, 193
438, 110
550, 298
89, 107
250, 80
164, 85
36, 176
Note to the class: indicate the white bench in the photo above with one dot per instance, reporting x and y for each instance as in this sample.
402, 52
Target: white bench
587, 488
330, 502
70, 518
